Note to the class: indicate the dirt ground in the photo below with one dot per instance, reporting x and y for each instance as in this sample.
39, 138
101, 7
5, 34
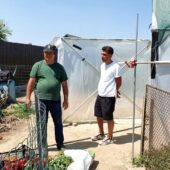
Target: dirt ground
116, 156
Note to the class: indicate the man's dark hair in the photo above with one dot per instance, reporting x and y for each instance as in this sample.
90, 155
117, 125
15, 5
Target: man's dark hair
108, 49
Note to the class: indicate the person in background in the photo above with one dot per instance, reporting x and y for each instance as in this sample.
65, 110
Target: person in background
110, 82
49, 76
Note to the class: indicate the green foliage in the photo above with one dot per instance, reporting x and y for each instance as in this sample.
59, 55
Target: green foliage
60, 162
92, 153
4, 31
141, 161
19, 111
155, 159
1, 113
28, 165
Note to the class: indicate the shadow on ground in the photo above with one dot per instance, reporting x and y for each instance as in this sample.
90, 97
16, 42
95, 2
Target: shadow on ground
77, 145
82, 145
126, 138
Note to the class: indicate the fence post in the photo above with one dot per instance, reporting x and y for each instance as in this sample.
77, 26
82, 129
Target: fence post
151, 124
143, 123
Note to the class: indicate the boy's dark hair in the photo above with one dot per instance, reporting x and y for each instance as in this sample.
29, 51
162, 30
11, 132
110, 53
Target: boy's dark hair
108, 49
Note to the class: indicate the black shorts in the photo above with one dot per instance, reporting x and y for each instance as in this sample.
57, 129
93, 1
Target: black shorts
104, 107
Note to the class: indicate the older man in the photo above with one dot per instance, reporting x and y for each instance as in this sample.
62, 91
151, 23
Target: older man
50, 76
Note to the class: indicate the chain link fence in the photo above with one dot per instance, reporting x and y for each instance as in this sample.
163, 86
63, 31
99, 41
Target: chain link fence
32, 152
21, 73
156, 120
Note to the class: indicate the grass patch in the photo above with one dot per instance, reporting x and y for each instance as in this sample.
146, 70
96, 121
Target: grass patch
155, 159
18, 110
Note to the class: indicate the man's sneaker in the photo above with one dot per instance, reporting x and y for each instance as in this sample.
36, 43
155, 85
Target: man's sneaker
97, 137
107, 140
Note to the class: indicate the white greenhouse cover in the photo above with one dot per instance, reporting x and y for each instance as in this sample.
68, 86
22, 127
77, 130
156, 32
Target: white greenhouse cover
161, 24
161, 15
81, 60
162, 79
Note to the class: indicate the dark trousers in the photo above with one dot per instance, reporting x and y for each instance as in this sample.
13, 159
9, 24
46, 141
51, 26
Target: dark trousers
55, 109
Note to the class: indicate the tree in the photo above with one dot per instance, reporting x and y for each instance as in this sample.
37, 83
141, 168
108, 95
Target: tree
4, 31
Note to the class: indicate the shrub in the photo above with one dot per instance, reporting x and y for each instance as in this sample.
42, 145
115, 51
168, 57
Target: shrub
18, 110
60, 162
155, 159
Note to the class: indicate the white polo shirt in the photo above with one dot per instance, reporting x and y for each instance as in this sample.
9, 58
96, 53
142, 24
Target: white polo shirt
107, 84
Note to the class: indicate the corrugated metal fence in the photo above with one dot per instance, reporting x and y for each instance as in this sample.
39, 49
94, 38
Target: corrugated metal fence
21, 55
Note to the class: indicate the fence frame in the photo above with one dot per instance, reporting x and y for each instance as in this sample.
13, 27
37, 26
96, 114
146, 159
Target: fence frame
150, 120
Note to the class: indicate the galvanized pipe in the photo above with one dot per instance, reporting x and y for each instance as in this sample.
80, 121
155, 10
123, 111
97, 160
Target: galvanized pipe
134, 91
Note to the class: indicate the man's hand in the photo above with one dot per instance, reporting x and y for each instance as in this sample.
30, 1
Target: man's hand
30, 87
65, 104
118, 94
65, 92
28, 103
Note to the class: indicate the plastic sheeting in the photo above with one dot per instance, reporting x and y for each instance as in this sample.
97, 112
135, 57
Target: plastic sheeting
161, 19
81, 159
162, 79
161, 15
82, 59
161, 24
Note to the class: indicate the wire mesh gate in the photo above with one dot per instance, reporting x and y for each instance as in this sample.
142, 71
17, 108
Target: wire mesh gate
32, 151
156, 120
21, 72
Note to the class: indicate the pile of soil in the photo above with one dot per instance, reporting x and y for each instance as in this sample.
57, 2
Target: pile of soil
6, 123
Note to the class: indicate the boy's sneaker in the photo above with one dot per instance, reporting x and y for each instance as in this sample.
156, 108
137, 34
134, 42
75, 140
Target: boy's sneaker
107, 140
97, 137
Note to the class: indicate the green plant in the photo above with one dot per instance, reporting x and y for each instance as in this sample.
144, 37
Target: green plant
1, 113
92, 153
19, 111
141, 161
155, 159
60, 162
4, 30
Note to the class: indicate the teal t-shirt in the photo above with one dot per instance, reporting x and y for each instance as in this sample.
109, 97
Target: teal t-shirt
49, 78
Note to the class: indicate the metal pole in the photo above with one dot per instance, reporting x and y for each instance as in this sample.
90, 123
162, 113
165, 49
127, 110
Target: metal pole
134, 92
153, 62
138, 53
147, 62
39, 130
82, 103
81, 56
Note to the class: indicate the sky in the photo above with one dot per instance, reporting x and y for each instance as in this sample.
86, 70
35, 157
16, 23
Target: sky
39, 21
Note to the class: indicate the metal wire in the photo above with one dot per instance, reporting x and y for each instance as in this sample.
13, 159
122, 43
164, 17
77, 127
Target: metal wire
21, 72
31, 148
156, 120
